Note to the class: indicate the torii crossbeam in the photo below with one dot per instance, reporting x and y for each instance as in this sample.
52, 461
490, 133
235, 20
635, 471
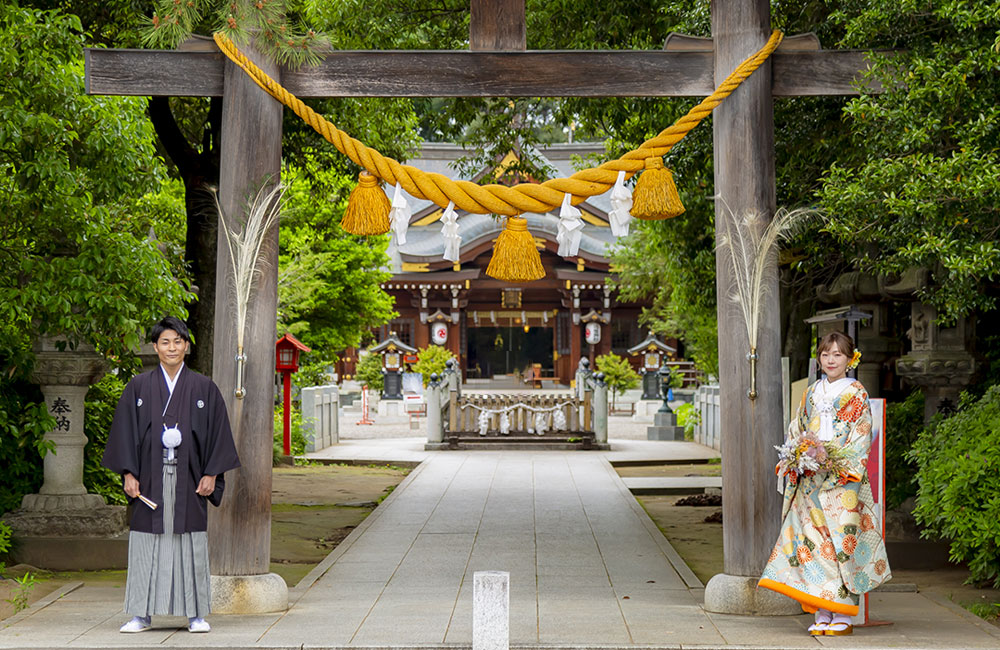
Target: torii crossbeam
498, 65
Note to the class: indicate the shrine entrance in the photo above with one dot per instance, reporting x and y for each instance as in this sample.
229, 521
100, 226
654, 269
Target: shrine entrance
510, 349
498, 65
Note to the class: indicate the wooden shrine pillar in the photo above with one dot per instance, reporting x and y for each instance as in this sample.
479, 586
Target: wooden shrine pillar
240, 530
744, 183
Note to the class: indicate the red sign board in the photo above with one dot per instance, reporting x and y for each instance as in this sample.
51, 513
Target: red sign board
410, 358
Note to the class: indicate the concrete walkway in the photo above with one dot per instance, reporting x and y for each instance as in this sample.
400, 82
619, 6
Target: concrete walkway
588, 568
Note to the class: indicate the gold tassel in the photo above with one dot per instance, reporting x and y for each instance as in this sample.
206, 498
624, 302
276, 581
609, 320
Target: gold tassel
515, 258
368, 208
655, 196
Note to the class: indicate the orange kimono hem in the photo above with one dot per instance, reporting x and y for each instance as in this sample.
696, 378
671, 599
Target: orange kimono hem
809, 602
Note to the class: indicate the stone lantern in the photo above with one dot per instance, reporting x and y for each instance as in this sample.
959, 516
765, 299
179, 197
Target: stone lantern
62, 527
654, 354
393, 353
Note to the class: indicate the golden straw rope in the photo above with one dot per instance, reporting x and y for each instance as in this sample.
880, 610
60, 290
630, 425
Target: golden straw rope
501, 199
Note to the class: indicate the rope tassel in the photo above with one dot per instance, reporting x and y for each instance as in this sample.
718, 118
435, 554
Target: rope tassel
368, 208
515, 258
655, 196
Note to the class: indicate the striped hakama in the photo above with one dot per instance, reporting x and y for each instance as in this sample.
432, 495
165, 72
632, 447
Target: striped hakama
168, 574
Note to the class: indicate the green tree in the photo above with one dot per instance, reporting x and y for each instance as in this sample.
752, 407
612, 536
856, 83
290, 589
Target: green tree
73, 171
369, 372
329, 293
431, 360
81, 188
917, 186
618, 374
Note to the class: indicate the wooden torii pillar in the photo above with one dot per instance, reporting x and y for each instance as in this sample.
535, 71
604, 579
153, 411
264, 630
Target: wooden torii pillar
497, 65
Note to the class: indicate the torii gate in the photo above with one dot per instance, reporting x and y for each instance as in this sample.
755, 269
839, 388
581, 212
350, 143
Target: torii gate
498, 65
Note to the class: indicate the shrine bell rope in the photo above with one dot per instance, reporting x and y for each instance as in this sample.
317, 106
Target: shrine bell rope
500, 199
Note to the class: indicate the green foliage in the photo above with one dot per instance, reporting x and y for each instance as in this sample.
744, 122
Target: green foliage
5, 534
296, 437
23, 424
72, 173
688, 417
918, 184
329, 293
312, 372
903, 421
618, 374
958, 498
369, 372
102, 399
19, 599
431, 360
274, 31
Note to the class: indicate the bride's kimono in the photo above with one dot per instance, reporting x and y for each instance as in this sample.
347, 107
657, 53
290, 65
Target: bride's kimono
830, 548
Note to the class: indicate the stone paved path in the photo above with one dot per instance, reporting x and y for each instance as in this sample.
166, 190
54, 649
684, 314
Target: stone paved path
588, 569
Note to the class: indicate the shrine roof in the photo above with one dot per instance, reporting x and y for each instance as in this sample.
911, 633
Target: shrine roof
426, 244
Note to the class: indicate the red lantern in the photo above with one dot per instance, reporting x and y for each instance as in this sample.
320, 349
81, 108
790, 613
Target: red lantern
286, 362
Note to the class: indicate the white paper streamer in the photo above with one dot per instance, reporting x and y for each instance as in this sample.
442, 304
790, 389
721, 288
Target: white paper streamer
570, 228
540, 423
399, 215
537, 424
621, 206
449, 231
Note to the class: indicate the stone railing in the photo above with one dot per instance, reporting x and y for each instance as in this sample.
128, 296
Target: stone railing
708, 430
320, 416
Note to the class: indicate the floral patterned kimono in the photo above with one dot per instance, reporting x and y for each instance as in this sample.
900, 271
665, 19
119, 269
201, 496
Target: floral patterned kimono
830, 548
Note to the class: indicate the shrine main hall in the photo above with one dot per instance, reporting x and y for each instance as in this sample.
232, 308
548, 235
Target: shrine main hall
499, 328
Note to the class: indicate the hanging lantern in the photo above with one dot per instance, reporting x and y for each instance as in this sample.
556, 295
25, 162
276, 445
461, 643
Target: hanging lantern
439, 333
592, 332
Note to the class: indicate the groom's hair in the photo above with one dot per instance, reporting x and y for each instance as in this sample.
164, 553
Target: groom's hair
169, 323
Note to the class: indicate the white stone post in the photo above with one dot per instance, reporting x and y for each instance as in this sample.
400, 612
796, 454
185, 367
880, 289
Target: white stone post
491, 610
435, 429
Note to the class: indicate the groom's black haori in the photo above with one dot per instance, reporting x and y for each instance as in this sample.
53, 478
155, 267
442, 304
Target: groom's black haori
206, 448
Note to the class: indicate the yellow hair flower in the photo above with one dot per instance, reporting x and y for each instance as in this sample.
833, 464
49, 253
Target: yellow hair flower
855, 360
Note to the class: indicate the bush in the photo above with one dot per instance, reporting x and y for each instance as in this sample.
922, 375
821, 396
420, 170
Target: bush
688, 417
431, 361
297, 438
903, 422
102, 398
618, 374
958, 497
369, 372
23, 424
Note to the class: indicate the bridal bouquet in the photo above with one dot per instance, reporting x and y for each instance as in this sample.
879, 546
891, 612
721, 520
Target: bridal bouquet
807, 455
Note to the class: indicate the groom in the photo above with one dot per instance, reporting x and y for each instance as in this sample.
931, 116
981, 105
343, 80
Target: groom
171, 442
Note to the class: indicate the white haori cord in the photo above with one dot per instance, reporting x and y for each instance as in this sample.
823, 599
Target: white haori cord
399, 215
449, 231
171, 439
570, 228
558, 417
621, 206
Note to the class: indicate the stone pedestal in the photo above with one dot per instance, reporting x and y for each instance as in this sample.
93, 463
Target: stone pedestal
63, 517
726, 594
664, 427
251, 594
